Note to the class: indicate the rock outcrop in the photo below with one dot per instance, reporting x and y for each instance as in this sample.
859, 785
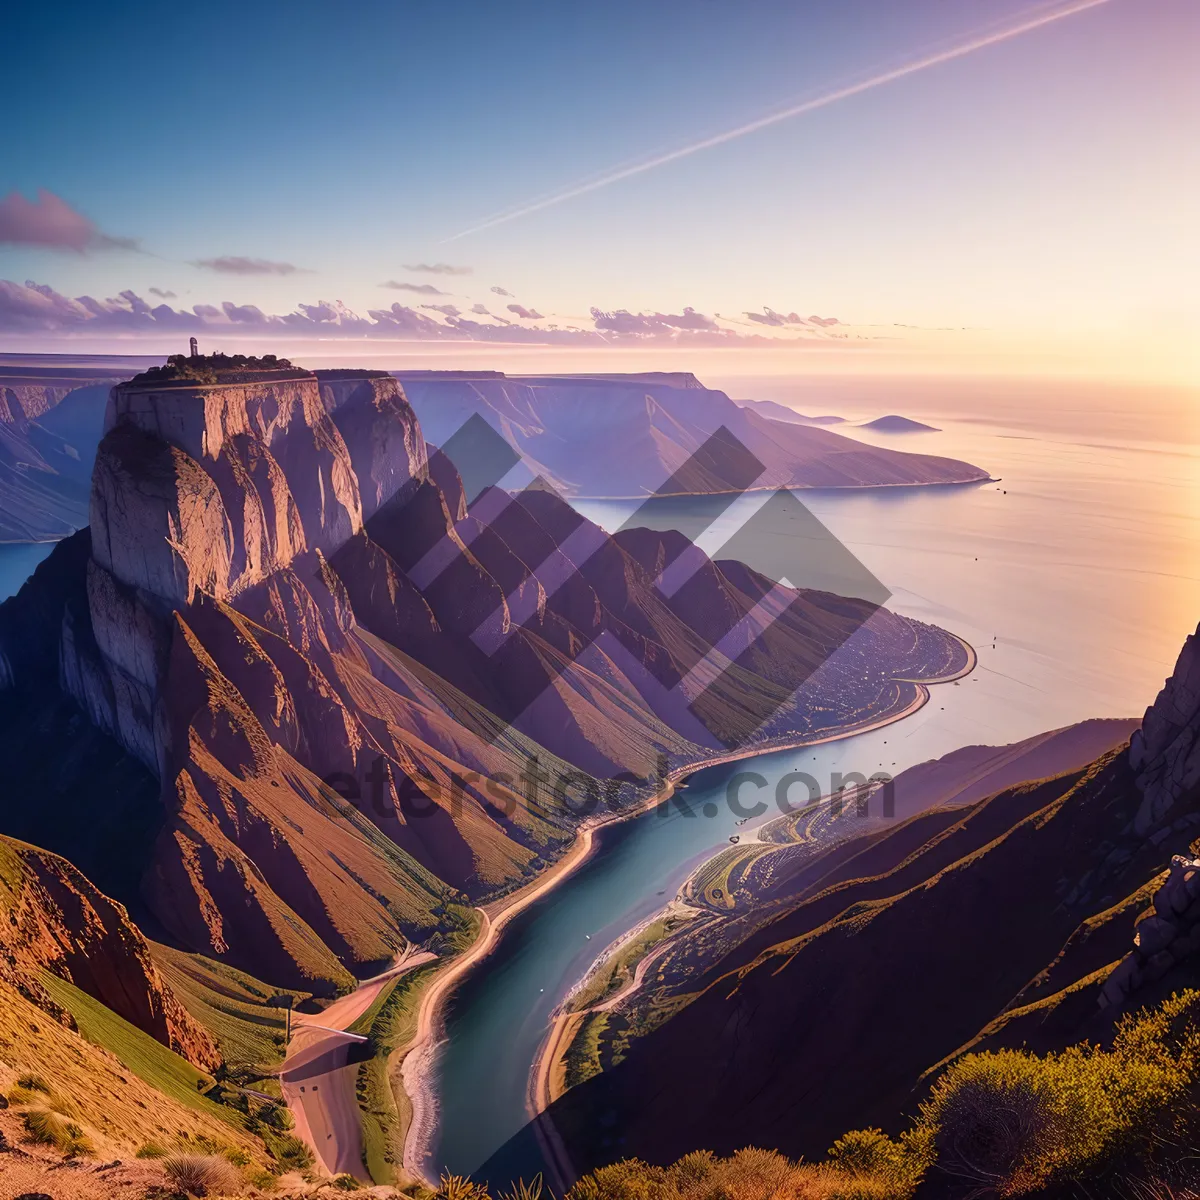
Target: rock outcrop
55, 920
1165, 752
1166, 935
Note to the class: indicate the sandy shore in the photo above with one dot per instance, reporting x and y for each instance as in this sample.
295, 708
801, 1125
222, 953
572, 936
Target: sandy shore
420, 1055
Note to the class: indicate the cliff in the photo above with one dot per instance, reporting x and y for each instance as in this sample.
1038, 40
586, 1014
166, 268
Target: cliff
335, 663
621, 436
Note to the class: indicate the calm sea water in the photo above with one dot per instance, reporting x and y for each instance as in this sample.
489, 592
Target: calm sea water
1081, 567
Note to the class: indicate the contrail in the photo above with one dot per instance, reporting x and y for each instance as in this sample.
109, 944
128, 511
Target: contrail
786, 114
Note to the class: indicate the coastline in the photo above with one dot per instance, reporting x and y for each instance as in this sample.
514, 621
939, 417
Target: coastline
805, 487
419, 1057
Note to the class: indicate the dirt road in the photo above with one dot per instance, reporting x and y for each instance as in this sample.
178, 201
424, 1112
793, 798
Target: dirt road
318, 1076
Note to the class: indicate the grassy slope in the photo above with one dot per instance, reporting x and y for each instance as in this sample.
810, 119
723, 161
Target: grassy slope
139, 1053
231, 1004
108, 1092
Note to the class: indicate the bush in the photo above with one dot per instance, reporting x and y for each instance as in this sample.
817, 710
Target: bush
264, 1181
150, 1150
45, 1128
202, 1174
459, 1187
291, 1153
1013, 1121
33, 1083
346, 1183
750, 1174
524, 1191
237, 1156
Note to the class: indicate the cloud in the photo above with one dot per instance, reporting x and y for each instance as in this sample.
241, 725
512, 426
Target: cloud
51, 223
501, 291
480, 310
35, 308
526, 314
238, 265
769, 316
623, 321
824, 321
162, 294
437, 269
422, 289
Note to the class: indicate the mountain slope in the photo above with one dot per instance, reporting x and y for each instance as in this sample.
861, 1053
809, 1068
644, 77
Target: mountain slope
624, 436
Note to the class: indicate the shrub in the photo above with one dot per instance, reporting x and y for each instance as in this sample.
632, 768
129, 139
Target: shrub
1014, 1121
202, 1174
33, 1083
291, 1153
995, 1120
237, 1156
524, 1191
150, 1150
264, 1181
459, 1187
346, 1183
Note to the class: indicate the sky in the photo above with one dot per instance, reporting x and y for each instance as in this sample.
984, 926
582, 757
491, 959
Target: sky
1020, 203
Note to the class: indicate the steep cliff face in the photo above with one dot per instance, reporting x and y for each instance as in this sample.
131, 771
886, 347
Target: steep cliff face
1165, 753
341, 667
55, 920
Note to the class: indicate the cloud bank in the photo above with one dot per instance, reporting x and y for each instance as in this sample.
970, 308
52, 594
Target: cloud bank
50, 223
36, 309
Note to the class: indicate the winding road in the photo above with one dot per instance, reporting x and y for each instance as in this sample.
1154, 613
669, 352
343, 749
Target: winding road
318, 1077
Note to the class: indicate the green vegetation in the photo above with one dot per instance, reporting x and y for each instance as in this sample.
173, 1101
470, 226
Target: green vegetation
46, 1128
289, 1152
245, 1014
582, 1059
203, 368
619, 969
148, 1059
202, 1175
391, 1022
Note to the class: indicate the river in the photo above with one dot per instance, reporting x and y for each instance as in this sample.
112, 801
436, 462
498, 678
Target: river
1079, 568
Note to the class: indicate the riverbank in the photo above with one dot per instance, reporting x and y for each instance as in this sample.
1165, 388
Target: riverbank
419, 1057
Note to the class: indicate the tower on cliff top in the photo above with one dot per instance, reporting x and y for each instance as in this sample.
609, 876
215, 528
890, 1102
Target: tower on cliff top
195, 350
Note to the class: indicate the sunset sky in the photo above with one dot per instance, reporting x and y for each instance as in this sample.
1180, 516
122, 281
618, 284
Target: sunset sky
1029, 205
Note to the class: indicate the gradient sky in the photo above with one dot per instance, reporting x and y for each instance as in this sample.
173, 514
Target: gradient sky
1042, 193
